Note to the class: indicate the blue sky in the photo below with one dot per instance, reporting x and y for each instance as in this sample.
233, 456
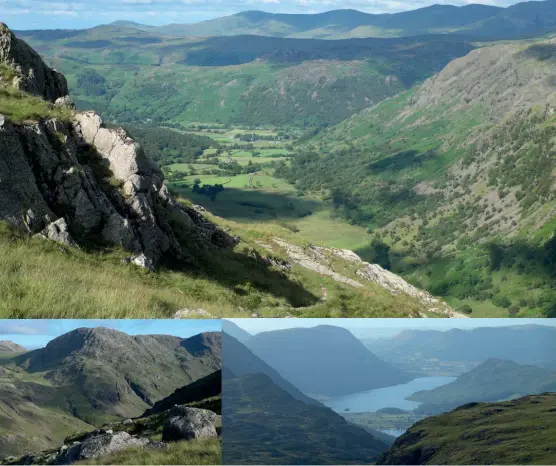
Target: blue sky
72, 14
383, 328
32, 333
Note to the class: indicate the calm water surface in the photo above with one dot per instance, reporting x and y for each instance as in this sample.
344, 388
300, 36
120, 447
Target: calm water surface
388, 397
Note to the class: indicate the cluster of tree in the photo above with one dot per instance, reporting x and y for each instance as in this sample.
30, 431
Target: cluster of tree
166, 146
91, 83
249, 137
210, 190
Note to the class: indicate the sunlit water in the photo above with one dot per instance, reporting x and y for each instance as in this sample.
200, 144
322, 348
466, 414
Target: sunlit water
388, 397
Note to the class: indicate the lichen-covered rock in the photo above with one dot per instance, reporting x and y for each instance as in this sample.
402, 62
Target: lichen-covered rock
58, 232
187, 423
31, 73
99, 445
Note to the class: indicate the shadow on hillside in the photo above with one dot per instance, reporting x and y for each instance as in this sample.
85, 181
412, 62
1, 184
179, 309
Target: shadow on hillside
403, 160
541, 52
242, 272
243, 205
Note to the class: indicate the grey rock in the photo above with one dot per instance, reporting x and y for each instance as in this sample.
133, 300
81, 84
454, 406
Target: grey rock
128, 422
155, 445
100, 445
64, 102
192, 313
186, 423
142, 261
58, 231
32, 74
50, 169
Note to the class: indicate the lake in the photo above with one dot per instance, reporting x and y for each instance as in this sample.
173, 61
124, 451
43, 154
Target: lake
388, 397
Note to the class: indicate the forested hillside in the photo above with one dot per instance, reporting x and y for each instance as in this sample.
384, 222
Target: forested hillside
134, 76
455, 177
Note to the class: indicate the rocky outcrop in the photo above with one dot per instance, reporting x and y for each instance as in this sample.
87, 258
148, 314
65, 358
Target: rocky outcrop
187, 423
82, 181
99, 445
30, 73
318, 259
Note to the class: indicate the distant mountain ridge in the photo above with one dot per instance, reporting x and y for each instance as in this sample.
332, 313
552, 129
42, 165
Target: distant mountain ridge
11, 347
493, 380
324, 360
90, 376
484, 21
519, 343
238, 361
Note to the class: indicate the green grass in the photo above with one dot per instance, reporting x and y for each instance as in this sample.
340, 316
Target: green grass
180, 453
21, 107
510, 432
38, 280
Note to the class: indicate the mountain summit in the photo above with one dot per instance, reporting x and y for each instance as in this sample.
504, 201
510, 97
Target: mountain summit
324, 360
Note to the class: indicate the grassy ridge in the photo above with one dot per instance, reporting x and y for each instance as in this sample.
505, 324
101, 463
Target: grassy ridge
510, 432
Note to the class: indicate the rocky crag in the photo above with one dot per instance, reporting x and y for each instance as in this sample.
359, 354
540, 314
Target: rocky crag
78, 181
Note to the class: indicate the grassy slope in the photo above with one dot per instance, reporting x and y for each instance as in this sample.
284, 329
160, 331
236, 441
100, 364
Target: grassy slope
512, 432
265, 425
424, 138
39, 281
193, 452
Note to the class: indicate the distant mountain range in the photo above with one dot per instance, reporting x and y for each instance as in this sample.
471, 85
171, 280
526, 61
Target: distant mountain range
324, 360
233, 330
91, 376
493, 380
489, 22
524, 344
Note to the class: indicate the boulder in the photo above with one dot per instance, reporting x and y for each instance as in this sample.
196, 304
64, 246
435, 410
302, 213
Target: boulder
100, 445
186, 423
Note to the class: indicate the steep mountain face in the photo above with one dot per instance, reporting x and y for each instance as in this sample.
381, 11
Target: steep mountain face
523, 344
246, 80
238, 361
475, 20
233, 330
442, 174
11, 347
76, 181
118, 372
324, 360
91, 376
202, 389
510, 432
263, 424
493, 380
